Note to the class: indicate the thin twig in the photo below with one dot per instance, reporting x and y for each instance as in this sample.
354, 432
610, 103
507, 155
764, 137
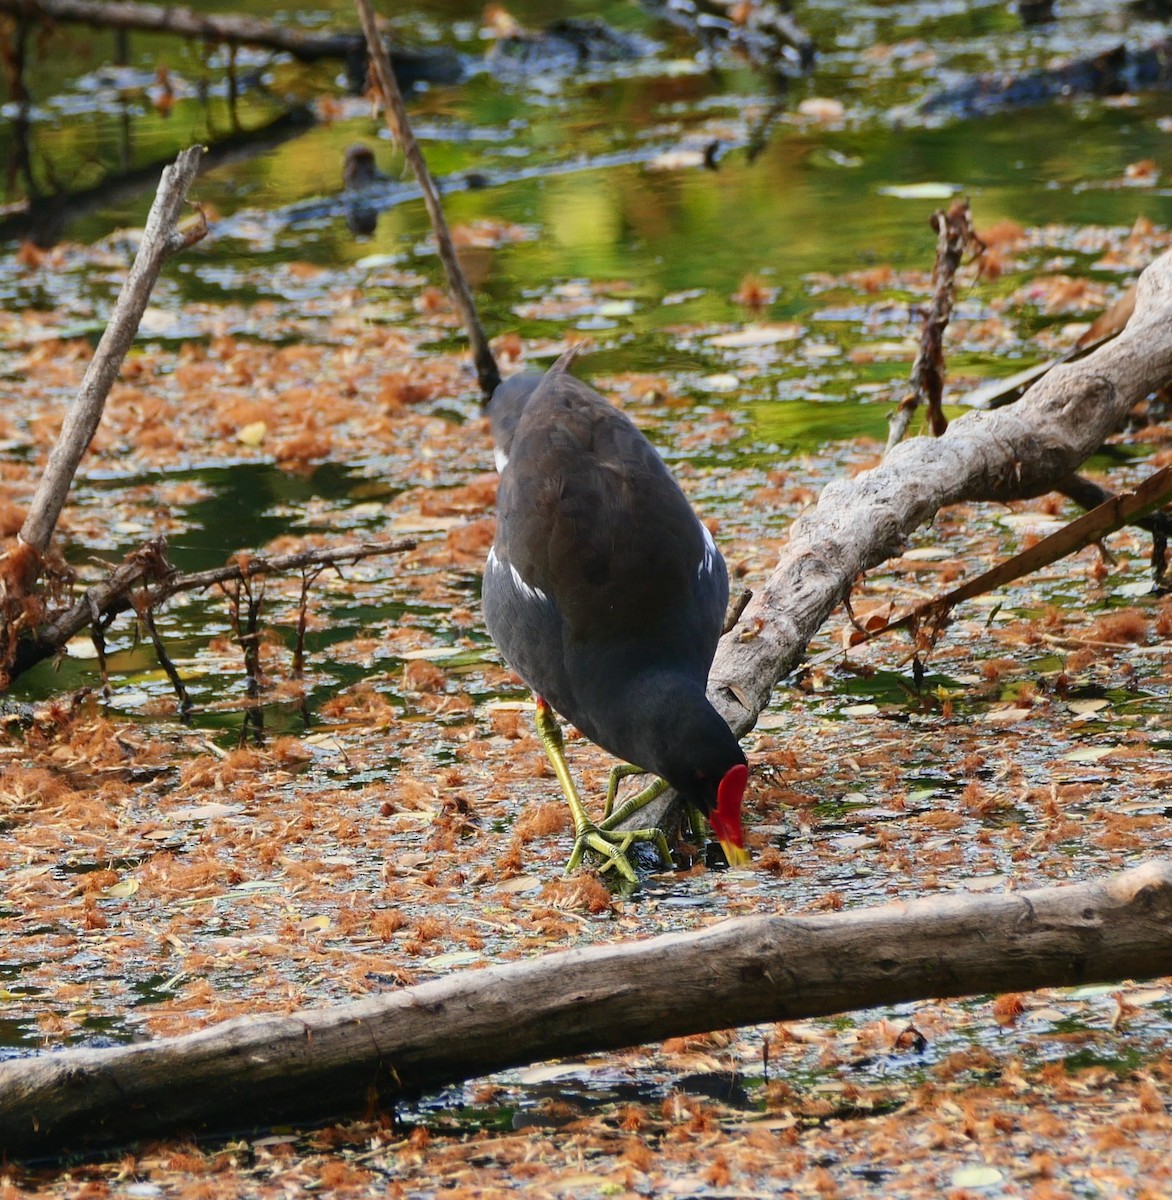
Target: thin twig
395, 112
147, 617
954, 236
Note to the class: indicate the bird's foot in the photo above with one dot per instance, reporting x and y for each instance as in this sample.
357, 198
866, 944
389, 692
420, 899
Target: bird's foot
611, 845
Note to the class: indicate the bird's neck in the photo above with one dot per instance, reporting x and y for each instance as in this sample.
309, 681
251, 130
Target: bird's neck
656, 718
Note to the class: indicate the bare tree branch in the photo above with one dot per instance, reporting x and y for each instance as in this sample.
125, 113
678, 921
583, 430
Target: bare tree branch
160, 240
487, 371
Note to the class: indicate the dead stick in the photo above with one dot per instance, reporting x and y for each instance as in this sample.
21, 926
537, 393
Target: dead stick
111, 595
1126, 508
954, 235
395, 111
321, 1064
160, 240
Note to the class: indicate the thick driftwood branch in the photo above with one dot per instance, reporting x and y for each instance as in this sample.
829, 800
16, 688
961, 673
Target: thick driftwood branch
184, 22
1027, 449
321, 1064
1023, 450
160, 240
487, 372
113, 594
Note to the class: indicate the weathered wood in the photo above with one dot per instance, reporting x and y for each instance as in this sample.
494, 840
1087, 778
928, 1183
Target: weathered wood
160, 240
1024, 450
321, 1064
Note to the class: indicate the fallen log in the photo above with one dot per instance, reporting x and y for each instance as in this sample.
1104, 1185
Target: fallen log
306, 45
327, 1063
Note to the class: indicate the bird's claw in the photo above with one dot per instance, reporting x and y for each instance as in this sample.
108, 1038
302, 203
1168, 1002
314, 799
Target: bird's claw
611, 846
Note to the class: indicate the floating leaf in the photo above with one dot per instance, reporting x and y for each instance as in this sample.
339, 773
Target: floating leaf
757, 335
122, 890
205, 812
720, 383
1005, 716
1092, 990
548, 1074
81, 647
976, 1177
1089, 753
520, 883
457, 958
919, 191
252, 434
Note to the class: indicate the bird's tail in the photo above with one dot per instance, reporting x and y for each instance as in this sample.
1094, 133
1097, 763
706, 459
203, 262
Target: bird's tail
562, 366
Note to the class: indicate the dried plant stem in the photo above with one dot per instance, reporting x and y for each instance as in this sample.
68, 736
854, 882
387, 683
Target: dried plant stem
487, 371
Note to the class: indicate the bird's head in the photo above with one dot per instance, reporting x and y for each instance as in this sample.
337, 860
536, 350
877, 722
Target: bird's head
505, 409
719, 794
725, 817
688, 743
714, 781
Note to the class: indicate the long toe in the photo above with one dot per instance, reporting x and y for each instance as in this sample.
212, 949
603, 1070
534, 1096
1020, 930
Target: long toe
611, 846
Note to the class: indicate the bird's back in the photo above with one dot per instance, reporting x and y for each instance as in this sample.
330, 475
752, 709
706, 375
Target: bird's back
600, 571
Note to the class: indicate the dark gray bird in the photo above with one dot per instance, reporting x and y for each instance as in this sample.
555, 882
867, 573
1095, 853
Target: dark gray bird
607, 595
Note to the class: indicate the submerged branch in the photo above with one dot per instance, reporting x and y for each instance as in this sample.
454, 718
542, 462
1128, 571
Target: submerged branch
149, 565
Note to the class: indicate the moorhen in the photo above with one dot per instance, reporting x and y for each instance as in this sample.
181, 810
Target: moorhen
607, 595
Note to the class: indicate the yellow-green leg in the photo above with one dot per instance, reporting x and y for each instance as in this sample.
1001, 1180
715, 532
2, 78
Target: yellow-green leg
617, 774
611, 845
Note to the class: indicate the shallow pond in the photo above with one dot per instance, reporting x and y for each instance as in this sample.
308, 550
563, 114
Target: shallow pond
756, 315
